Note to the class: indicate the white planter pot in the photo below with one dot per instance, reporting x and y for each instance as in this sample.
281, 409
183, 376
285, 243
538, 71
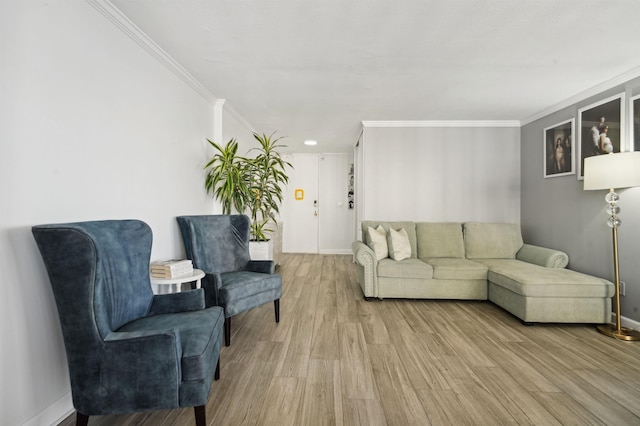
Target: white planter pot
261, 250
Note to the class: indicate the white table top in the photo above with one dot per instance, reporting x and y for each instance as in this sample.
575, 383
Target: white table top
195, 275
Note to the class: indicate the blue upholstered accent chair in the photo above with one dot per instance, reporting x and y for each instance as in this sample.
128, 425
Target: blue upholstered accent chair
128, 350
219, 245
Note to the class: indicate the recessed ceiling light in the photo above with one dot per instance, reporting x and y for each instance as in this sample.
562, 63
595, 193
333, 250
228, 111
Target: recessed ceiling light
310, 142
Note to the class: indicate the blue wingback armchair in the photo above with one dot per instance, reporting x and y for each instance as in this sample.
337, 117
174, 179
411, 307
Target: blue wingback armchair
219, 245
127, 349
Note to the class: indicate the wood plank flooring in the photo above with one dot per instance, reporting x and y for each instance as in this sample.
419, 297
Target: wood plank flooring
335, 359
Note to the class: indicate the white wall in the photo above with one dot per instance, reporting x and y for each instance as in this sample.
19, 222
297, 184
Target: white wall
91, 127
440, 174
336, 219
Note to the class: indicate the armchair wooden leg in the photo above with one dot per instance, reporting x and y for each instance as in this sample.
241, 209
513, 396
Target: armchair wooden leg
201, 415
81, 419
227, 331
276, 305
217, 373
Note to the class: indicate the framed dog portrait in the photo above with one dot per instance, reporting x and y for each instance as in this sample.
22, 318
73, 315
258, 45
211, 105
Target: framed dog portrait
559, 151
601, 127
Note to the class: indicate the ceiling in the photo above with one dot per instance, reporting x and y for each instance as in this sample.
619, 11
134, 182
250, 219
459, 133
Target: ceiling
315, 69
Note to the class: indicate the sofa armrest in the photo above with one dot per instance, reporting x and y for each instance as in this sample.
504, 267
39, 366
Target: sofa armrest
543, 256
366, 258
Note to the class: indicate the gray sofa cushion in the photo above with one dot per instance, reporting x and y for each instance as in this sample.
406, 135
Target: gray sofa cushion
408, 268
410, 227
537, 281
439, 240
492, 240
457, 269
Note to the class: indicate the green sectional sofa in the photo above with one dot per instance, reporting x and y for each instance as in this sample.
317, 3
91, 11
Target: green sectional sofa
478, 261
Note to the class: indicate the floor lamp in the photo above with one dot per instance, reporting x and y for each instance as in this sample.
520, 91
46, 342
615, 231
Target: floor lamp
609, 171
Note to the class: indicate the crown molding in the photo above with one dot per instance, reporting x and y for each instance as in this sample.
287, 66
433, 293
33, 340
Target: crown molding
113, 14
595, 90
232, 111
443, 123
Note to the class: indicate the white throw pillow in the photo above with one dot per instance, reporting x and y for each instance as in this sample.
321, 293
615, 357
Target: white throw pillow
378, 242
399, 247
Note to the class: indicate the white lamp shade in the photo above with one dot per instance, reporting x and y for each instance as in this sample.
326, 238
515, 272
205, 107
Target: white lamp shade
620, 170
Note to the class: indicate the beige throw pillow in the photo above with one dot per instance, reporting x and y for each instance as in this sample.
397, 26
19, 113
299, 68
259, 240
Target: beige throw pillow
378, 242
399, 247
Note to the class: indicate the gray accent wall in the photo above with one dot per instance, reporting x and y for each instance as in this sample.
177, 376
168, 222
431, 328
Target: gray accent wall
558, 213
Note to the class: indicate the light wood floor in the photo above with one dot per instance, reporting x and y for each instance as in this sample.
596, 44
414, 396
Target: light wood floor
335, 359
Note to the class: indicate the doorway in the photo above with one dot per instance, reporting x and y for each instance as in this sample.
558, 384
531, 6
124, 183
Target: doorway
317, 216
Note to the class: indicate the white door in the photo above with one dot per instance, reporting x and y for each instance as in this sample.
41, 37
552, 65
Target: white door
301, 207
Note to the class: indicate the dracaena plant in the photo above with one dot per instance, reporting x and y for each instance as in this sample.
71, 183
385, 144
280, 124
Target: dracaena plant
252, 185
226, 178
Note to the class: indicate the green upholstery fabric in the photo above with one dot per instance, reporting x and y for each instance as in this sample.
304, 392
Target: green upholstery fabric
492, 240
127, 349
479, 261
457, 269
439, 240
543, 256
413, 288
537, 281
586, 310
408, 268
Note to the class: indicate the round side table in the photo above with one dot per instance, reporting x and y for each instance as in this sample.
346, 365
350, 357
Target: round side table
194, 276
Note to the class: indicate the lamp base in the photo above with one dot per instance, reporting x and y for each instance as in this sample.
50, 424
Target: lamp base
625, 333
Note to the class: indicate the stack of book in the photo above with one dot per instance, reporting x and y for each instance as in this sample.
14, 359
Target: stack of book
171, 268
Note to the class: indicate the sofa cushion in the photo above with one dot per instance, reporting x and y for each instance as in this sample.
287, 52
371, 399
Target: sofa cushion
538, 281
457, 269
439, 240
408, 268
492, 240
399, 247
410, 227
377, 241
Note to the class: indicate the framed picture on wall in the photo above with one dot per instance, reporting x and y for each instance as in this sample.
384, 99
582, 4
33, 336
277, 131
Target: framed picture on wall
635, 124
601, 127
559, 150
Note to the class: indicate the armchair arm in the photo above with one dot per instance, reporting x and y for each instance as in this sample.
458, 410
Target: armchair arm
262, 266
543, 256
177, 302
137, 370
366, 258
211, 285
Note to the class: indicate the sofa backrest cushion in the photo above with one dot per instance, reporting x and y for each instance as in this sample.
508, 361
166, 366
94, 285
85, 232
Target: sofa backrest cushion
410, 227
439, 239
492, 240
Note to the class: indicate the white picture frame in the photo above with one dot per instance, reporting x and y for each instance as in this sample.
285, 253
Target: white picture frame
559, 152
610, 111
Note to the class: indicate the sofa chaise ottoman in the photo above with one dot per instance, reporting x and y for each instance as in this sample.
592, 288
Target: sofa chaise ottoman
480, 261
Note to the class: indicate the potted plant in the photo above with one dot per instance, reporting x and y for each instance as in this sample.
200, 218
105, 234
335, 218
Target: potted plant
266, 180
252, 185
226, 177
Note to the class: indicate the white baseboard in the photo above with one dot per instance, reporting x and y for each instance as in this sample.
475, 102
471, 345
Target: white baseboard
626, 322
54, 413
